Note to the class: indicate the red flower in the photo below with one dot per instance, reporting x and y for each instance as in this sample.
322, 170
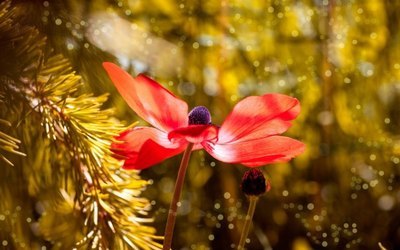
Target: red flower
249, 135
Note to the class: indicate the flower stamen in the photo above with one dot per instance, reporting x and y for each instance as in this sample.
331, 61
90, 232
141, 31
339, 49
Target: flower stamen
199, 116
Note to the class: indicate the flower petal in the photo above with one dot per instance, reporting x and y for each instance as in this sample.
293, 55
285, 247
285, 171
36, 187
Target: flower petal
149, 99
143, 147
259, 116
195, 133
256, 152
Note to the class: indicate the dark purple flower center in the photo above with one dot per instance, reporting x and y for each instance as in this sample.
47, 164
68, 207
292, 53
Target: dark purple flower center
253, 182
199, 116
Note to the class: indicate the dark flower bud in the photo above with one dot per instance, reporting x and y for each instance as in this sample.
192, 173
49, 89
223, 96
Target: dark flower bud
253, 182
199, 116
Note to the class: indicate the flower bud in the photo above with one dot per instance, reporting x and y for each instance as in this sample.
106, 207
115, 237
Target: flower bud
254, 183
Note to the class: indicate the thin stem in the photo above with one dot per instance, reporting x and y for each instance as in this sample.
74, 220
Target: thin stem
169, 228
249, 216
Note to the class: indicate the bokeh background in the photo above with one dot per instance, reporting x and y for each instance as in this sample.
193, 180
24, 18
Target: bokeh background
340, 58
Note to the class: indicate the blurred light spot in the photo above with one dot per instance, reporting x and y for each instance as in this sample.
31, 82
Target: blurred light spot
325, 118
211, 237
196, 45
387, 120
220, 217
4, 243
217, 206
186, 88
285, 193
372, 157
386, 202
310, 206
301, 244
227, 195
70, 46
58, 21
347, 80
185, 207
366, 69
122, 38
373, 183
328, 73
166, 185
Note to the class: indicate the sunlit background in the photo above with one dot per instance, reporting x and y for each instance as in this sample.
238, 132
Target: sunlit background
340, 58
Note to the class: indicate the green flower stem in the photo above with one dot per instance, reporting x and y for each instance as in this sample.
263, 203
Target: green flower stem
249, 216
169, 228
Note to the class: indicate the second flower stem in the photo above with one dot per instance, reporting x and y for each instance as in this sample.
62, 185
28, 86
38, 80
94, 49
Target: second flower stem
169, 228
249, 216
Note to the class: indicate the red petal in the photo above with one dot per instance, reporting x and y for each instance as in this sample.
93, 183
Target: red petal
195, 133
149, 99
256, 152
259, 116
143, 147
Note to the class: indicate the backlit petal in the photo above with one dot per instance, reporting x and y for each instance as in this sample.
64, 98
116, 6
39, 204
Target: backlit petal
259, 116
149, 99
142, 147
256, 152
195, 133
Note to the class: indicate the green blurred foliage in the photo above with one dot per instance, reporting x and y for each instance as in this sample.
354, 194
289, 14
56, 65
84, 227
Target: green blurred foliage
340, 58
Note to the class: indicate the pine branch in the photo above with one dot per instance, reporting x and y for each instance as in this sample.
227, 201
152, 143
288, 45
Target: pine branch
69, 166
8, 143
